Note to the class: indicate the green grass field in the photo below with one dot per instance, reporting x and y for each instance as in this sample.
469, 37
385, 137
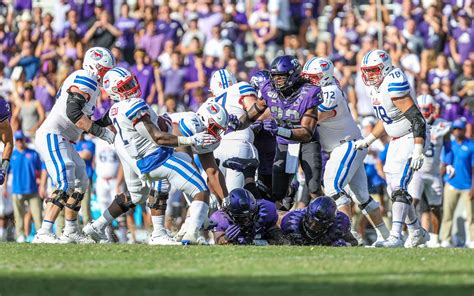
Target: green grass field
145, 270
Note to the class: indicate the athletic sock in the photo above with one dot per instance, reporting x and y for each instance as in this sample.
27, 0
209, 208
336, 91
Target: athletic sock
3, 234
434, 237
47, 226
158, 225
382, 231
399, 214
122, 234
71, 226
411, 219
104, 220
198, 212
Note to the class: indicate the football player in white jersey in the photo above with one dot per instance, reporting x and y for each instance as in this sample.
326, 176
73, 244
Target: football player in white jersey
338, 132
428, 179
400, 118
232, 95
69, 118
146, 153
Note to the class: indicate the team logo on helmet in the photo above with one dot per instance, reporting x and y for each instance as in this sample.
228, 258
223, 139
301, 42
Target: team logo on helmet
295, 62
212, 109
324, 66
383, 56
106, 83
96, 55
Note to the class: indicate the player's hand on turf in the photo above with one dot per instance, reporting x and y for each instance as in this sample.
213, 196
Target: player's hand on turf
203, 139
232, 233
234, 123
450, 171
107, 135
271, 126
2, 176
417, 157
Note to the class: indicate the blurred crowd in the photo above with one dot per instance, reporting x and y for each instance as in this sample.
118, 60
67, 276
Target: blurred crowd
174, 46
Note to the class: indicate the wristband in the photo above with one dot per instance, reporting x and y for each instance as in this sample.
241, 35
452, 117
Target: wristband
370, 139
5, 164
184, 141
284, 132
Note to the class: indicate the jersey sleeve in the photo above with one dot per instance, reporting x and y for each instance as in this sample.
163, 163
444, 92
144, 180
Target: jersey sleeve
267, 213
85, 83
245, 89
137, 110
219, 222
329, 100
398, 85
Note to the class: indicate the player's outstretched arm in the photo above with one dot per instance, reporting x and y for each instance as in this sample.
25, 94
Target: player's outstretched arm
406, 105
376, 133
255, 110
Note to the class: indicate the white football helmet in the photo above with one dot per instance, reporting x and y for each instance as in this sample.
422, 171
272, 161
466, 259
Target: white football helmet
191, 125
427, 106
97, 61
214, 117
121, 84
220, 81
376, 64
319, 71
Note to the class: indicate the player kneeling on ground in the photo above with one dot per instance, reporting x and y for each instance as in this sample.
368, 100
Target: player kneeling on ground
245, 220
319, 224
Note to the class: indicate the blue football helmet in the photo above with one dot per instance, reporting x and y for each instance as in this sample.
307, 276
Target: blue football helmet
285, 71
259, 78
320, 215
241, 207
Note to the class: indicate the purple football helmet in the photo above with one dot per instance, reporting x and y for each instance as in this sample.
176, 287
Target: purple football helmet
320, 215
241, 207
259, 78
285, 71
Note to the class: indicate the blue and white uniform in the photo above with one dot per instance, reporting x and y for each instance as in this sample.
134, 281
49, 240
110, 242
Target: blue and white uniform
56, 136
397, 166
238, 143
143, 159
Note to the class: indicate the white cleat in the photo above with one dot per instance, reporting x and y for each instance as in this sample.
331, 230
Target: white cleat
393, 242
163, 239
417, 238
433, 244
377, 244
98, 235
76, 237
194, 238
446, 244
21, 239
44, 237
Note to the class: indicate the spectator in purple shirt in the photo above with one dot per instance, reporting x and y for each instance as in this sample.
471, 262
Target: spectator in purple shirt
128, 26
171, 29
118, 55
72, 23
175, 78
441, 72
461, 43
70, 47
145, 76
151, 41
45, 92
23, 5
451, 108
195, 77
102, 32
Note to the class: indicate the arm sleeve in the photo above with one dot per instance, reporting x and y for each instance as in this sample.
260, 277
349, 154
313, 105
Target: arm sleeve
75, 103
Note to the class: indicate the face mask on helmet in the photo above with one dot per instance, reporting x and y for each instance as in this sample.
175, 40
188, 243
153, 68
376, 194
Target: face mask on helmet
314, 228
313, 78
372, 75
129, 87
280, 80
215, 129
101, 70
427, 111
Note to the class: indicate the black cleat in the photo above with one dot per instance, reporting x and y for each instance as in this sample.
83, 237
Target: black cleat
243, 165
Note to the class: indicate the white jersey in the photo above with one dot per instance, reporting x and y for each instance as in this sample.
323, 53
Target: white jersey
394, 85
182, 119
341, 128
57, 121
438, 129
231, 100
124, 115
106, 160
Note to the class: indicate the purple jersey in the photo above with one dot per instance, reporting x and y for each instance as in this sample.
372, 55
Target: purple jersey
128, 26
4, 109
267, 218
172, 30
289, 111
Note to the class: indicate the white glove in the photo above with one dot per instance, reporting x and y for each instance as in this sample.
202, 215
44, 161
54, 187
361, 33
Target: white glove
364, 143
451, 171
202, 139
107, 135
417, 157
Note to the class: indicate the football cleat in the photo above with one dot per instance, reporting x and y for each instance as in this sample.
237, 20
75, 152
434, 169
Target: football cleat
163, 239
446, 244
417, 238
76, 237
393, 242
98, 235
44, 237
194, 237
241, 164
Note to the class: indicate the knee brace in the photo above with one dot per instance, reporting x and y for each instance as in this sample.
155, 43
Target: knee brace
121, 204
369, 206
59, 198
401, 195
341, 199
157, 200
76, 205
